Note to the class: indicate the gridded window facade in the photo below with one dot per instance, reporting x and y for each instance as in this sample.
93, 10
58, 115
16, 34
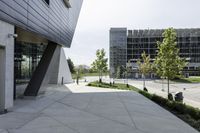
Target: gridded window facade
27, 57
138, 41
118, 48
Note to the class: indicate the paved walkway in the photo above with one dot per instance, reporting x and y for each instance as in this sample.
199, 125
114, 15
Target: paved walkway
90, 110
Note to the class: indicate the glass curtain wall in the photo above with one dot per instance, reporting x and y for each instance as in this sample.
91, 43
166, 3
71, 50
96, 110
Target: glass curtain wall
27, 57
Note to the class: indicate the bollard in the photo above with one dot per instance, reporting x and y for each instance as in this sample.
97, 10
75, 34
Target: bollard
62, 81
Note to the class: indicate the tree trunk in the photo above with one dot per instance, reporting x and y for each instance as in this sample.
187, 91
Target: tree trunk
144, 81
100, 80
99, 77
127, 78
167, 85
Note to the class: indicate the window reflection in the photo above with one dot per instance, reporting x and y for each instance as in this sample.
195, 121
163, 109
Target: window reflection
27, 57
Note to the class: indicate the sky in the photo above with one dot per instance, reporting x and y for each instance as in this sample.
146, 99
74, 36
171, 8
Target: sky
98, 16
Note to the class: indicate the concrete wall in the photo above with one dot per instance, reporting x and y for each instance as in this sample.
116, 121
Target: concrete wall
55, 65
64, 71
60, 72
6, 65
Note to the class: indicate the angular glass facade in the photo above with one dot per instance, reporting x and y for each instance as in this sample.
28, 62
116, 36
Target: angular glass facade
27, 57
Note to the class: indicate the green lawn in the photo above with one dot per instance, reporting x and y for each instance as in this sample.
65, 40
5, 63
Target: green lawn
111, 86
93, 74
88, 75
188, 80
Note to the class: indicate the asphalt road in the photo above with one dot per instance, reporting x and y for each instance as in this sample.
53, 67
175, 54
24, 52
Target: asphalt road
191, 94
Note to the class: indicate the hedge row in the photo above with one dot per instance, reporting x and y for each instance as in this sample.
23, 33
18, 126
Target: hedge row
173, 105
187, 113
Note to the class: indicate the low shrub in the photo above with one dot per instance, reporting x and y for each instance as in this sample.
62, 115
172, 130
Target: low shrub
170, 105
112, 86
170, 96
89, 84
187, 113
145, 89
127, 85
159, 100
146, 94
180, 108
194, 123
193, 112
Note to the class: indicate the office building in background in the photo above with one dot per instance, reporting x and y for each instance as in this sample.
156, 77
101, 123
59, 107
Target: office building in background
128, 45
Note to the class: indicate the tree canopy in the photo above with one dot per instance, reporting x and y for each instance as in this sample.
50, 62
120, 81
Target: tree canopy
168, 63
120, 72
100, 64
71, 65
144, 66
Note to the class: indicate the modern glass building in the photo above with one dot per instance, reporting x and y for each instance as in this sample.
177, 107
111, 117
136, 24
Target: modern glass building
32, 36
118, 48
137, 41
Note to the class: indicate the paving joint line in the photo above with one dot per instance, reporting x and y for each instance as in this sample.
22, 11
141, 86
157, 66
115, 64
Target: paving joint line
133, 122
62, 123
38, 113
96, 114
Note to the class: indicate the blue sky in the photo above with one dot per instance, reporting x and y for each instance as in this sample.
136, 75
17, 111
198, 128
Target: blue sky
97, 16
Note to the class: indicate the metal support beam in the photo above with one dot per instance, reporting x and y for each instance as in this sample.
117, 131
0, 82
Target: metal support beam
41, 71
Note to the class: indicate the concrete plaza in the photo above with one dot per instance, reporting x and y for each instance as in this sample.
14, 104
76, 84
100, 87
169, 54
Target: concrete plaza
80, 109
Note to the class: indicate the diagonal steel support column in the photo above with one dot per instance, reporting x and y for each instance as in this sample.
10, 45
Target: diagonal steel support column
41, 71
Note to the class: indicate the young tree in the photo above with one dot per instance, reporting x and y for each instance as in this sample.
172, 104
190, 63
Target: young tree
144, 66
168, 63
71, 65
120, 71
100, 64
127, 71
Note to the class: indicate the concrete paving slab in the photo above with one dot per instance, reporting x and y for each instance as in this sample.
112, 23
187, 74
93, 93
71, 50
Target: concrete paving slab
101, 126
15, 120
57, 129
82, 109
35, 105
3, 131
65, 114
155, 124
41, 122
77, 100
